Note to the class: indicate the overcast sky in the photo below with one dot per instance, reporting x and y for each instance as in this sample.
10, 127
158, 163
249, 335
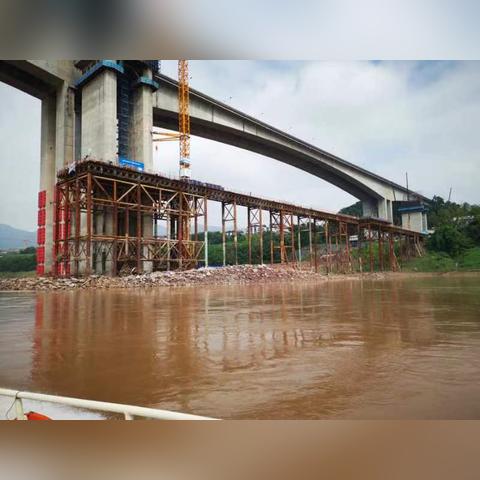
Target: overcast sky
388, 117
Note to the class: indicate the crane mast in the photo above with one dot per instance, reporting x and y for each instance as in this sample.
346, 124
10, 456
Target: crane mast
183, 134
184, 118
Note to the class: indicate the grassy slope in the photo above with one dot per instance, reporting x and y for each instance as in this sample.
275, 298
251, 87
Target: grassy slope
31, 273
441, 262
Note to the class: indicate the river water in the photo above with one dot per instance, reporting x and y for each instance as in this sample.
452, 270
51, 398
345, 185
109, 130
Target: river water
395, 348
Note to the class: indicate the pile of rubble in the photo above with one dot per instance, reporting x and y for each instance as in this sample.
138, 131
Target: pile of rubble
242, 274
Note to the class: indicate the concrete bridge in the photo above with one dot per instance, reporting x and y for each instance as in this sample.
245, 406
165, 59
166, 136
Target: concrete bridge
217, 121
105, 110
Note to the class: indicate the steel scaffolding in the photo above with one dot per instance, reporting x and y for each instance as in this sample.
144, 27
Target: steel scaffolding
115, 220
114, 223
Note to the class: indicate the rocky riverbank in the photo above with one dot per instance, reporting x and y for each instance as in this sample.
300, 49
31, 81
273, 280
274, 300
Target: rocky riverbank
244, 274
232, 275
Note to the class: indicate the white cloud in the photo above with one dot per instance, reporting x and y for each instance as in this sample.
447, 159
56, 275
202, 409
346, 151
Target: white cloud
390, 117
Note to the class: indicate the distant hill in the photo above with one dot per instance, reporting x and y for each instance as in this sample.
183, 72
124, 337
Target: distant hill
14, 238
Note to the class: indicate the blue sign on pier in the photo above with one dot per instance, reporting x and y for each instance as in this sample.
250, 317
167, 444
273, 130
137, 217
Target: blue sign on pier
126, 162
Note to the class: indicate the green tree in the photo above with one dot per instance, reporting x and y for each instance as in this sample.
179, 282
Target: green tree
18, 262
450, 239
473, 227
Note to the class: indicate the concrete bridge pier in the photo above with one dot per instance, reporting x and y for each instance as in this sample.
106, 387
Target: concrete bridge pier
141, 146
142, 124
103, 138
99, 117
385, 209
48, 173
378, 208
56, 151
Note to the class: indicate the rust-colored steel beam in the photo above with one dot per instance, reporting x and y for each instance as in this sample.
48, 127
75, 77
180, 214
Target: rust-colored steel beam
205, 230
254, 225
370, 247
380, 249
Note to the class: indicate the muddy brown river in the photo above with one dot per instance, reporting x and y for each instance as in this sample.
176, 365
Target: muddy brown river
395, 348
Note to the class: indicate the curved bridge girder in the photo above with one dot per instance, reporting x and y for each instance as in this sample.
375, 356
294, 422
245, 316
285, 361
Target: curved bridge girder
216, 121
268, 148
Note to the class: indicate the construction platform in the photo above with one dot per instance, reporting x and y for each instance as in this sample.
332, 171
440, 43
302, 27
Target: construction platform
114, 220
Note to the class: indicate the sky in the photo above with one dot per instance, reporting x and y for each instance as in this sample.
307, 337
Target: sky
390, 117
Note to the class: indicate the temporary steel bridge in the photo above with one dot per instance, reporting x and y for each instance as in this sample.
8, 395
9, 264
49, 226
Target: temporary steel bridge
106, 221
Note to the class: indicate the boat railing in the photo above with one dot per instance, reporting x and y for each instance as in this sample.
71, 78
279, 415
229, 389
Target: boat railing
129, 412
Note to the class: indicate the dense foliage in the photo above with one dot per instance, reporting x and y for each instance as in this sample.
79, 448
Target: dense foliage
23, 261
457, 226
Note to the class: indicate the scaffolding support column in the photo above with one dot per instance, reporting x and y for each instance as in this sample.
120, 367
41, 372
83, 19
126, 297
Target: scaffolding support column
337, 246
359, 248
254, 223
229, 214
328, 245
224, 247
115, 231
380, 249
77, 227
205, 230
89, 224
271, 238
260, 232
310, 246
249, 235
391, 252
139, 230
370, 247
293, 253
282, 237
299, 241
235, 233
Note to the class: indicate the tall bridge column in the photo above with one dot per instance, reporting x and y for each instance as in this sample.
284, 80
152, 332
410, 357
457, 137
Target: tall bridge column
381, 208
56, 151
141, 130
99, 117
141, 145
48, 176
385, 209
65, 126
369, 208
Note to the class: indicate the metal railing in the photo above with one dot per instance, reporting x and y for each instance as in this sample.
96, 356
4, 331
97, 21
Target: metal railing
129, 412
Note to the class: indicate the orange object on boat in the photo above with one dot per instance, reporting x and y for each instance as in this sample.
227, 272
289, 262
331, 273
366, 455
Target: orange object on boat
36, 416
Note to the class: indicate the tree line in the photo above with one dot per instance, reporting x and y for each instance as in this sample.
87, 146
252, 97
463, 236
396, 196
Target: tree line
23, 261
